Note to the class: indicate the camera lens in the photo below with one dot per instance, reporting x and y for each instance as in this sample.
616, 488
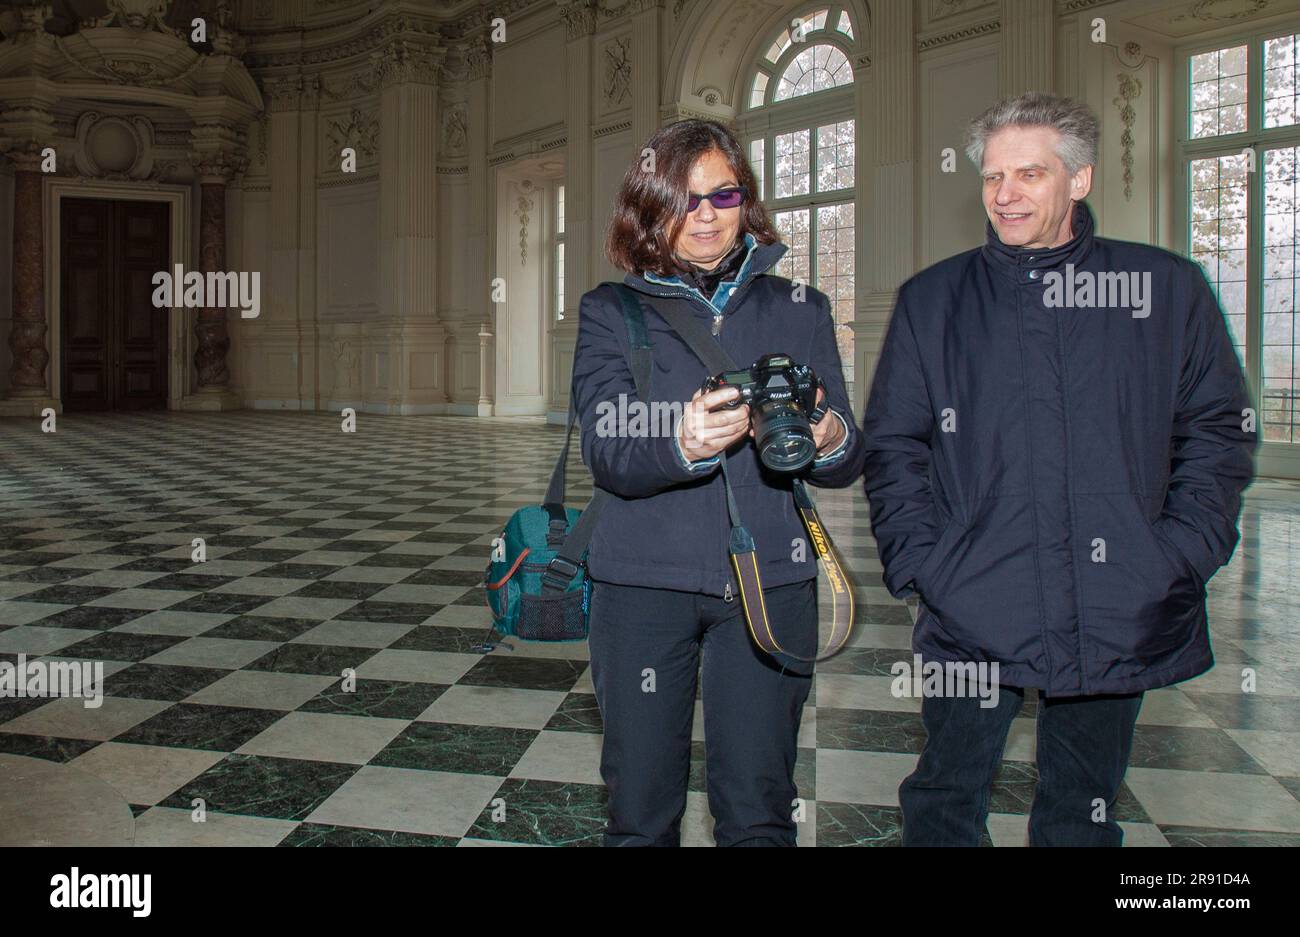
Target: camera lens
783, 435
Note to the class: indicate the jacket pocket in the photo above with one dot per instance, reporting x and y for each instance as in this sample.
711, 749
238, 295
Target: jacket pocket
979, 588
1142, 601
948, 541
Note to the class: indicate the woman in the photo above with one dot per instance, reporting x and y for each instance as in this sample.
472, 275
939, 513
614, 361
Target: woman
689, 230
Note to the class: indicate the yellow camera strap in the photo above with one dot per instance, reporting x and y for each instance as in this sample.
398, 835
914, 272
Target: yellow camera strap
744, 559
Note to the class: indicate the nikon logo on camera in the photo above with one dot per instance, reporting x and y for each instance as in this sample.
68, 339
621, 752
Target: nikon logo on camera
635, 419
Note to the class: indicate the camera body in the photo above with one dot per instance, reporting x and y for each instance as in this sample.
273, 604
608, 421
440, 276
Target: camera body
782, 399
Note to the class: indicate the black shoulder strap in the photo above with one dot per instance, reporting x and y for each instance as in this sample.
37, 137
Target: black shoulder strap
572, 547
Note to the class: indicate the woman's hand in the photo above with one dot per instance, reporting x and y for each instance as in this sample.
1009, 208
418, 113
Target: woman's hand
705, 431
827, 432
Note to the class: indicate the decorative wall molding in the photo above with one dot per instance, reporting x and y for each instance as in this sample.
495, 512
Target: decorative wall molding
358, 129
113, 146
455, 122
616, 72
607, 129
1130, 89
934, 40
523, 208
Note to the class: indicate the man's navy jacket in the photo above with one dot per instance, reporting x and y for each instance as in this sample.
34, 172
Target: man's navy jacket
668, 526
1058, 483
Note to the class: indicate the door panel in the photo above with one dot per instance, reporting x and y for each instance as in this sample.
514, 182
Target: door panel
114, 340
87, 286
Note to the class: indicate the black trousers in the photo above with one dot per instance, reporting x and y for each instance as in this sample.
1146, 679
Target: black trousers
646, 647
1083, 750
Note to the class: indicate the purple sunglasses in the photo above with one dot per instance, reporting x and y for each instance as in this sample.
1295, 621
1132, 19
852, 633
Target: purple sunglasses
719, 198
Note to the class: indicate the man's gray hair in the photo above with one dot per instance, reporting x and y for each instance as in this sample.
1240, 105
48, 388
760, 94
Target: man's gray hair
1073, 120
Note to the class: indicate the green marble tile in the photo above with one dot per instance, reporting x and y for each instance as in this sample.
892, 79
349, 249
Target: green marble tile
1185, 748
260, 786
865, 661
387, 699
119, 645
262, 628
441, 638
46, 747
322, 834
1204, 836
197, 725
525, 673
160, 681
438, 746
858, 825
546, 813
577, 713
870, 730
324, 659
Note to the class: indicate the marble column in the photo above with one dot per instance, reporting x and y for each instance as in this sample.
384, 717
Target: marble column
29, 332
210, 333
214, 169
409, 331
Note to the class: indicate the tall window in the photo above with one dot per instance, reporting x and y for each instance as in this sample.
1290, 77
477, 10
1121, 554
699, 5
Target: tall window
559, 252
1241, 153
804, 157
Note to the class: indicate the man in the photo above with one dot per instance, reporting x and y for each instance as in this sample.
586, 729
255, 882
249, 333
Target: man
1058, 435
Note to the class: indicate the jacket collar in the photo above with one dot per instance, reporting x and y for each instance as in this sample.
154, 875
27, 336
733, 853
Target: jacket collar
1028, 264
759, 258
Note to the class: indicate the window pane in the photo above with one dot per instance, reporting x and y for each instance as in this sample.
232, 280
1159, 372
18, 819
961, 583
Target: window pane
1219, 92
782, 43
756, 157
1281, 85
792, 173
559, 210
845, 25
793, 227
1218, 236
835, 156
814, 69
835, 269
759, 90
559, 280
1280, 371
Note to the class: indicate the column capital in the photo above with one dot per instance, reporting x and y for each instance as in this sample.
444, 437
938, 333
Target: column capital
402, 62
26, 155
217, 151
579, 17
478, 57
290, 92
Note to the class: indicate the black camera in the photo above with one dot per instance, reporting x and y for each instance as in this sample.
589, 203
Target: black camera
782, 398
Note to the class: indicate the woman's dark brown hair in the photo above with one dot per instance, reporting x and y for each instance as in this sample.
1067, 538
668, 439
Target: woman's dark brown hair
651, 205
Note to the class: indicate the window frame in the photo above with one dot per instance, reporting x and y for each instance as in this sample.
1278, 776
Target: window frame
557, 246
1279, 459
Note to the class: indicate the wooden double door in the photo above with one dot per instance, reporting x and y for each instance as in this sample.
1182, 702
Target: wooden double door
113, 339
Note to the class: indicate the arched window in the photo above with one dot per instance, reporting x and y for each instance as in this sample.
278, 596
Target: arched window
815, 69
803, 157
804, 58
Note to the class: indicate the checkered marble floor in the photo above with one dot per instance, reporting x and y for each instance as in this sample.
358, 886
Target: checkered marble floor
328, 551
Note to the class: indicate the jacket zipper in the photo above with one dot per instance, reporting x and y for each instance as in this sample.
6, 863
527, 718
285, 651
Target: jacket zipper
722, 492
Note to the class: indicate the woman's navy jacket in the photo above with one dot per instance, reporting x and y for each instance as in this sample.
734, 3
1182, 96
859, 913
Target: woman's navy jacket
1058, 482
668, 525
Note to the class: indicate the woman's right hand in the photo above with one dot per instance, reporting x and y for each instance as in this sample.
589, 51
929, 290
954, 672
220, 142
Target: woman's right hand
707, 427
